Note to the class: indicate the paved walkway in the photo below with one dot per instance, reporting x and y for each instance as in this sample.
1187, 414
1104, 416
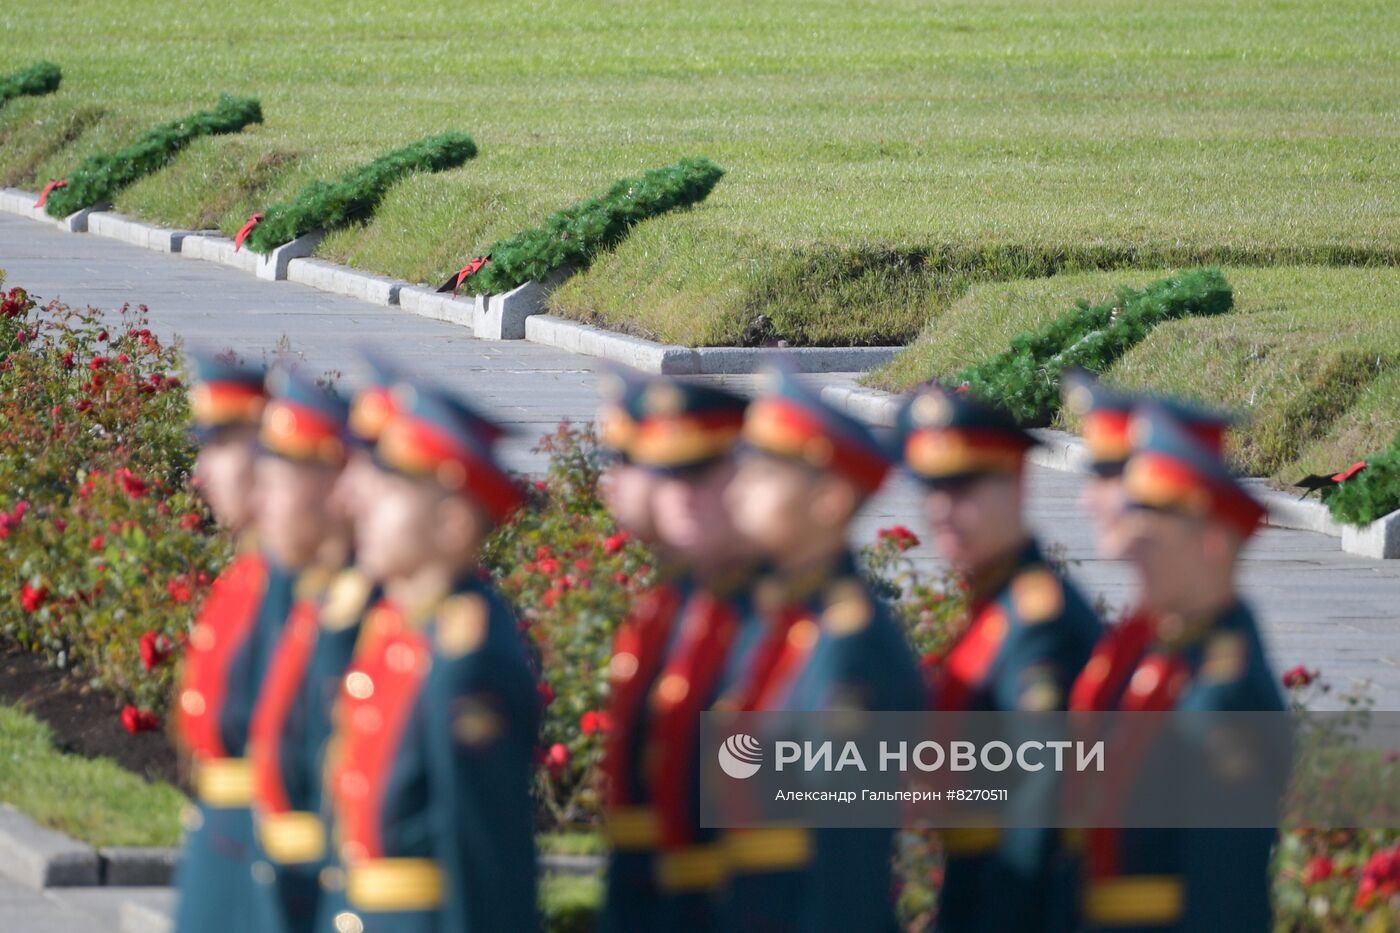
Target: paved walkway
1321, 607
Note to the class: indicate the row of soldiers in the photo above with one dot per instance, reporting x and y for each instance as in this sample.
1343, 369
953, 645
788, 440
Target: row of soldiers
361, 710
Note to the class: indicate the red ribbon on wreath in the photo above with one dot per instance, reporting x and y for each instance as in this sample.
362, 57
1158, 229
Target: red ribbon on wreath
44, 195
246, 229
1349, 472
465, 273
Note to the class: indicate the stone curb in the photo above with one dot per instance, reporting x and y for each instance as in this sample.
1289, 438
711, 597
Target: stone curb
1061, 451
331, 277
424, 301
271, 267
42, 858
15, 201
120, 227
650, 356
592, 341
138, 866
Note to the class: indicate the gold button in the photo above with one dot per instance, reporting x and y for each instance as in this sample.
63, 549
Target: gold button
346, 922
673, 688
192, 702
202, 637
1145, 680
359, 685
624, 665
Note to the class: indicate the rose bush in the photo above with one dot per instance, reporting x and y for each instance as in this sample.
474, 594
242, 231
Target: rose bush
104, 547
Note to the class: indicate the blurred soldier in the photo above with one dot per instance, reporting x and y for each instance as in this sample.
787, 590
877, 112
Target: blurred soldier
429, 769
1187, 523
685, 435
826, 643
1029, 634
220, 675
632, 900
1105, 414
310, 495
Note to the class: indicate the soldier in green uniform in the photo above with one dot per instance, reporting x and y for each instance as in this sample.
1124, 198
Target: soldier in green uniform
1188, 522
292, 721
429, 770
1029, 634
685, 436
219, 677
824, 643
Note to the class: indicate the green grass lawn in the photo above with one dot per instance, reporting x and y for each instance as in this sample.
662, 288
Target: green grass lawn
881, 156
1310, 355
91, 799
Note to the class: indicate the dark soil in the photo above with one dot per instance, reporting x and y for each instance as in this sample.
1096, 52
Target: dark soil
84, 721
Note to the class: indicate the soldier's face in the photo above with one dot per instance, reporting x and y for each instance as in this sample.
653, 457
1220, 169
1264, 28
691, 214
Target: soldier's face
1103, 499
223, 473
628, 492
691, 517
976, 521
350, 491
778, 505
394, 527
293, 518
1168, 551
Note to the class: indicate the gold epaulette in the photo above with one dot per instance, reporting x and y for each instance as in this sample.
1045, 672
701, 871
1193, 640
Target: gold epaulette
1135, 900
394, 884
224, 782
292, 837
346, 599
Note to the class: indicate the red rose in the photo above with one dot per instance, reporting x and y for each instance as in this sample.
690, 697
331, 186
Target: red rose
191, 520
102, 336
179, 590
594, 722
583, 565
615, 543
98, 542
542, 552
139, 720
1297, 677
97, 363
549, 566
557, 756
31, 597
546, 693
902, 538
1319, 868
154, 650
620, 578
135, 486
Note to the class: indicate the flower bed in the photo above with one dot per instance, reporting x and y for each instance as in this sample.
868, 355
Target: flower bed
33, 80
99, 177
103, 544
1025, 379
325, 205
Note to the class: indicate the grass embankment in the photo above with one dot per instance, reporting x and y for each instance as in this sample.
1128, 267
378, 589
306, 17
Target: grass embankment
880, 157
1311, 355
95, 800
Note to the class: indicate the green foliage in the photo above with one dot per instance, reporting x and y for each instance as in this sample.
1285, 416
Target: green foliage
1025, 379
94, 799
104, 546
572, 577
570, 904
572, 237
33, 80
99, 177
1371, 494
325, 205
